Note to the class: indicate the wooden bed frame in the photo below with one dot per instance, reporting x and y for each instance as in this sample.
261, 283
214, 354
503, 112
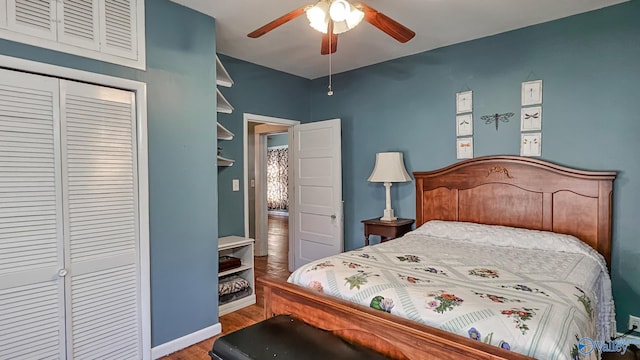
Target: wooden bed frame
500, 190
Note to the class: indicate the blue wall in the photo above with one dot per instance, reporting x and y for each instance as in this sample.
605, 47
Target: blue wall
182, 168
591, 116
261, 91
277, 140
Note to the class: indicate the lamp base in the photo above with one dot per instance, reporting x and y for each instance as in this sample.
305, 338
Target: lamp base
388, 215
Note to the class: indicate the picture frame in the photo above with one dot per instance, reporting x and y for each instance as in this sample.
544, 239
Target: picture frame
464, 102
464, 148
532, 92
531, 144
464, 125
531, 118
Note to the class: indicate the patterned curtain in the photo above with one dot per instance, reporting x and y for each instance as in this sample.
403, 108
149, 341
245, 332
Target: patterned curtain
277, 179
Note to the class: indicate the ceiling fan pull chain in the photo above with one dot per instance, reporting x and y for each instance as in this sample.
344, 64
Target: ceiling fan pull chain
330, 92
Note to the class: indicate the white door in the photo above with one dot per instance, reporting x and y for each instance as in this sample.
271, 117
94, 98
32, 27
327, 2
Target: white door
100, 185
31, 292
316, 209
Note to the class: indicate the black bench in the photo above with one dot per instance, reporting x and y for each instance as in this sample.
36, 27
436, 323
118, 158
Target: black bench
283, 338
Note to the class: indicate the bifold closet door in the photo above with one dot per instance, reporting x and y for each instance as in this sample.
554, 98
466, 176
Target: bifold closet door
99, 175
31, 253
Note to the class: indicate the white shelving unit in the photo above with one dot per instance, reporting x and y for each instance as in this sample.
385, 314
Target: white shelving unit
222, 76
223, 133
242, 248
223, 106
223, 161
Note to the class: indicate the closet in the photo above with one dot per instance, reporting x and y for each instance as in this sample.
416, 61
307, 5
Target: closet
107, 30
70, 272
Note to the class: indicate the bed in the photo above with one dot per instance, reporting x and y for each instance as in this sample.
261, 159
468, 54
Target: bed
510, 192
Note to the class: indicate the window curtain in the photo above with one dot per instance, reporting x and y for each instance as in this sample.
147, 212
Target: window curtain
278, 179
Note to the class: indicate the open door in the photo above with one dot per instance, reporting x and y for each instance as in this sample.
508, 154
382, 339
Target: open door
315, 214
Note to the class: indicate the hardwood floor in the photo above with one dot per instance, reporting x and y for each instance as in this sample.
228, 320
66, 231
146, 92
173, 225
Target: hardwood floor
275, 264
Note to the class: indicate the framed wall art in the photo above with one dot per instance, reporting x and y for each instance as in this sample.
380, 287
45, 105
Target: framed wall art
464, 125
530, 144
532, 92
464, 102
464, 148
531, 118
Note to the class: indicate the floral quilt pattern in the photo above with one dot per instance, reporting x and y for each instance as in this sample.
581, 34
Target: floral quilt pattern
459, 286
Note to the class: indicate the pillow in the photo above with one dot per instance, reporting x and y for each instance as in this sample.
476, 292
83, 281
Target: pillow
507, 236
231, 284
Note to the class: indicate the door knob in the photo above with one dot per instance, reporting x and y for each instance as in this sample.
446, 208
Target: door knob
333, 216
62, 272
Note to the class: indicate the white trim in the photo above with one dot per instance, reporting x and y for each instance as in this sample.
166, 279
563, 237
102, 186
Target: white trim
143, 213
261, 217
247, 117
292, 204
69, 73
140, 90
185, 341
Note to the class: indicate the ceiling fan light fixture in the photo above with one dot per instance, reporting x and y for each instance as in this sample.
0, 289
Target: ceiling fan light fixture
344, 16
318, 16
354, 18
339, 10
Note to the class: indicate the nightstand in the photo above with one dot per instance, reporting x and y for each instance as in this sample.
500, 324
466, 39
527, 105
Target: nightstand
387, 230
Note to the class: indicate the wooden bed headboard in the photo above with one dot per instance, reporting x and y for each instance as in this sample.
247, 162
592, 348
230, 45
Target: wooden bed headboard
520, 192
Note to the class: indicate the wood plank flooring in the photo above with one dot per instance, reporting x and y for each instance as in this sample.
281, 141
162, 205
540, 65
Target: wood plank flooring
275, 263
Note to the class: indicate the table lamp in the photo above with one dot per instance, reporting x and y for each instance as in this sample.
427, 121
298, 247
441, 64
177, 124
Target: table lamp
389, 168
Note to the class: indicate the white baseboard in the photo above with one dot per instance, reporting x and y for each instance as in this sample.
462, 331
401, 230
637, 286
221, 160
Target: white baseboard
185, 341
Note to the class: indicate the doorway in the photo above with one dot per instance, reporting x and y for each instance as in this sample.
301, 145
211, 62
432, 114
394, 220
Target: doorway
269, 227
277, 167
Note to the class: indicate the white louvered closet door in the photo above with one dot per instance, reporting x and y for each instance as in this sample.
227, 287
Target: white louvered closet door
118, 32
101, 222
33, 17
3, 13
78, 24
31, 291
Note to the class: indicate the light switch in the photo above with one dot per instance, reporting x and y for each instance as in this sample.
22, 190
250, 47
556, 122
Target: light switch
236, 184
253, 183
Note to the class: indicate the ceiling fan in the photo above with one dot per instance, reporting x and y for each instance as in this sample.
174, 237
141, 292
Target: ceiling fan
333, 17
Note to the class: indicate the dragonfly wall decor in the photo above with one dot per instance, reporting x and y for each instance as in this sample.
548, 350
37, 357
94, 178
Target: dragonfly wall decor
496, 118
531, 118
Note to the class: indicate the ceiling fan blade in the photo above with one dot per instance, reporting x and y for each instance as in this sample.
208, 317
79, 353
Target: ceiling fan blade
385, 23
277, 22
324, 49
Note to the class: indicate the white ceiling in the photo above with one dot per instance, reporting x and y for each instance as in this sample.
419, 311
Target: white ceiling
295, 47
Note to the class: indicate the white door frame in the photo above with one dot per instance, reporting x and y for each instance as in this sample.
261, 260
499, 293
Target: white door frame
261, 218
247, 117
140, 90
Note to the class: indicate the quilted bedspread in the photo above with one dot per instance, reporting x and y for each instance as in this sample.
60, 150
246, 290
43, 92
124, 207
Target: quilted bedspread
522, 290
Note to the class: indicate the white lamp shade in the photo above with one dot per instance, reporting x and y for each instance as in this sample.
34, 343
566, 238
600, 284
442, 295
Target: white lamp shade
389, 168
318, 16
339, 10
344, 15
